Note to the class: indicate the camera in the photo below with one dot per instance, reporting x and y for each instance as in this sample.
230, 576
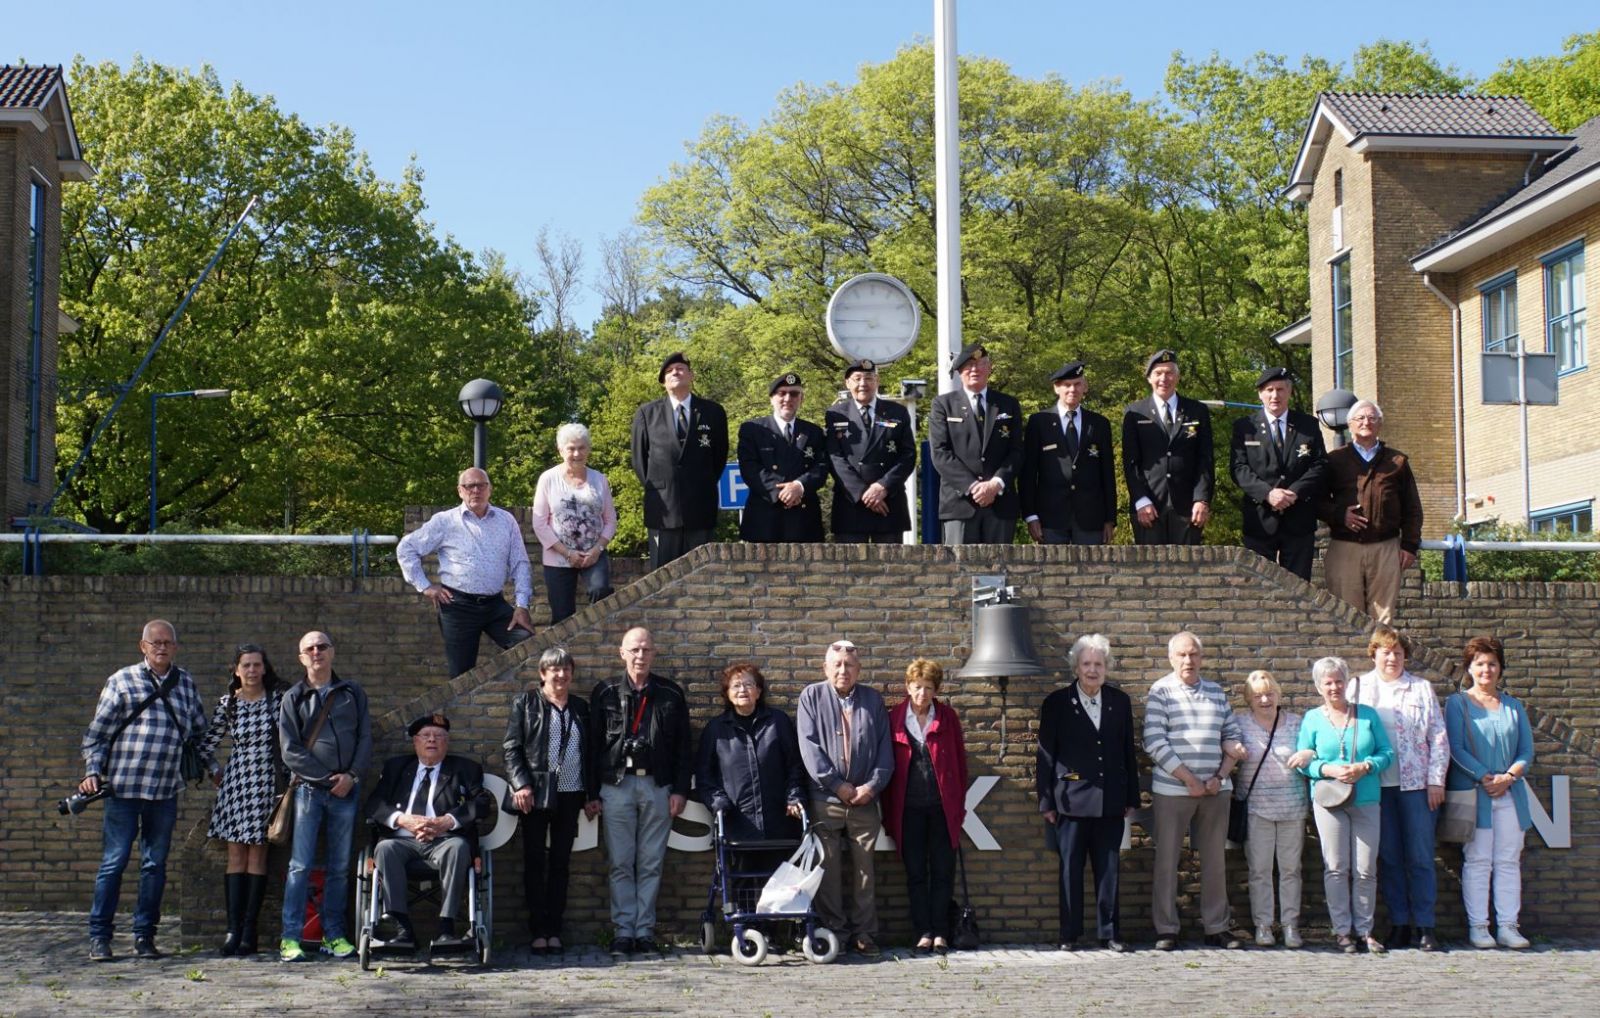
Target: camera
77, 802
635, 750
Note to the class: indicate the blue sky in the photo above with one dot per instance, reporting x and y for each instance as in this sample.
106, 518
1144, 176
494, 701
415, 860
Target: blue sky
563, 113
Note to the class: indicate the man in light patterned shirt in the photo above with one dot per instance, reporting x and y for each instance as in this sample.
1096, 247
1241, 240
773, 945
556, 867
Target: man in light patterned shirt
1193, 740
135, 745
480, 546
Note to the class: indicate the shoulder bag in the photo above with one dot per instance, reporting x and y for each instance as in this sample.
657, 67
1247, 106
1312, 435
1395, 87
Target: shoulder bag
1458, 819
542, 780
963, 917
192, 762
280, 828
1239, 809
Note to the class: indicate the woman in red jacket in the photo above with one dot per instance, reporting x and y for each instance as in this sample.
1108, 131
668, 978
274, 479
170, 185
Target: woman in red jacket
925, 803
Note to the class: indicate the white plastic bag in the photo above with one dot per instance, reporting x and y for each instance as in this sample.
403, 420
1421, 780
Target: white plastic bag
794, 883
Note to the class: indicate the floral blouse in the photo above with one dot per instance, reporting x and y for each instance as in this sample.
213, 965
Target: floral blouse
1415, 725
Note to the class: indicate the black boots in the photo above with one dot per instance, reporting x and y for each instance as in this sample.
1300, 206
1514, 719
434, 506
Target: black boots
1399, 936
233, 885
255, 889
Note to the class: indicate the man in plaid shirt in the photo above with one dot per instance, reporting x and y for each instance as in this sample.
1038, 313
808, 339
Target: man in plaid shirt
141, 765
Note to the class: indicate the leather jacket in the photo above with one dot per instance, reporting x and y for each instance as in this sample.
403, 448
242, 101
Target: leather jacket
526, 741
664, 727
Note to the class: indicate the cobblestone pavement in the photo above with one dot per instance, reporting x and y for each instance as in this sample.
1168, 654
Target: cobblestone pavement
44, 971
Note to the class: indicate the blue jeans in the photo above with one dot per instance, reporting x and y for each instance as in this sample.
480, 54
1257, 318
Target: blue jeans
637, 823
561, 585
1405, 856
152, 820
317, 809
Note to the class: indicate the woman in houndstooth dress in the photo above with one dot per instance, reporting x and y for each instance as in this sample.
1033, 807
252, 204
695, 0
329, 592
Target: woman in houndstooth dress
248, 712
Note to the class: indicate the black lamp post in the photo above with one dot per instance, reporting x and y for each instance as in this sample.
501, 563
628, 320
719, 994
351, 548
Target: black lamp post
1333, 409
480, 400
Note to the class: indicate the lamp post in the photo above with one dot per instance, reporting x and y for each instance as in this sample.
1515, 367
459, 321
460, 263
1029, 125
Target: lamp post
480, 400
1333, 410
154, 397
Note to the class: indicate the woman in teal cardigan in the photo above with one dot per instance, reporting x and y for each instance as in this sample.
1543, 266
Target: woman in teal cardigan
1344, 744
1491, 749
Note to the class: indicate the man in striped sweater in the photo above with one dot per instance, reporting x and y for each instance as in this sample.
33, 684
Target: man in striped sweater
1193, 740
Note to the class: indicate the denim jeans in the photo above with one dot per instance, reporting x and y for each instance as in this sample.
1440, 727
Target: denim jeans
319, 810
1405, 856
561, 586
152, 821
636, 825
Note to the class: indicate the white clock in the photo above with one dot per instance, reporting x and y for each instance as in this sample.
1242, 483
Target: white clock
873, 317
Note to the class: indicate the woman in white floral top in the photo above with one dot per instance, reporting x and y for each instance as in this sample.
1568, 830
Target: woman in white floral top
1413, 787
575, 519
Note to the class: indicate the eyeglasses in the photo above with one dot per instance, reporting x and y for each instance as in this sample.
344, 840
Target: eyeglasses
162, 643
319, 647
474, 485
742, 685
842, 647
1363, 417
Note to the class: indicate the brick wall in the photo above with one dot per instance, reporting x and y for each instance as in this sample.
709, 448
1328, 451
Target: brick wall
780, 605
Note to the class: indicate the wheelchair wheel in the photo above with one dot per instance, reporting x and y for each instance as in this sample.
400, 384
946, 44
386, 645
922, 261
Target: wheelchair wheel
708, 935
821, 947
365, 950
750, 947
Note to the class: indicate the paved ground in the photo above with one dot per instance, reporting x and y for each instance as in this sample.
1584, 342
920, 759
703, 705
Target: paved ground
43, 971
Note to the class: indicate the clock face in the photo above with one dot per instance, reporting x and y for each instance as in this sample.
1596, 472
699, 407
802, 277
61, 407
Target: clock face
873, 317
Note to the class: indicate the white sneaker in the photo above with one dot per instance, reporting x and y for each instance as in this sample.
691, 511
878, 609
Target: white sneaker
1510, 937
1478, 936
1264, 936
1291, 938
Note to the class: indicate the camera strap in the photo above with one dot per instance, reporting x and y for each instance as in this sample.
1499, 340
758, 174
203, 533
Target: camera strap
158, 694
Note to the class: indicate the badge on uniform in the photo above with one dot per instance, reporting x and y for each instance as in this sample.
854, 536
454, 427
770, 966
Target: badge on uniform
1094, 450
1190, 427
955, 420
1050, 448
1251, 441
1005, 432
1002, 416
705, 441
1304, 450
811, 453
890, 447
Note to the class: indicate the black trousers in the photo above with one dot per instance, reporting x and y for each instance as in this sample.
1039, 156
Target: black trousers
849, 537
1095, 840
930, 868
1170, 527
545, 870
466, 620
1292, 553
674, 543
1073, 536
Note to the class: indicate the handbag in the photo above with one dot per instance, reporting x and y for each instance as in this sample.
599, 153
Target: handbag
280, 828
1239, 809
963, 917
1331, 794
1458, 818
542, 781
192, 756
794, 883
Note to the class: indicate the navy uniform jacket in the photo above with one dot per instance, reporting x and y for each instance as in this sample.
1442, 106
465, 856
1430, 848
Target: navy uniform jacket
766, 461
1173, 471
1082, 771
888, 456
680, 482
1062, 491
1253, 458
455, 792
962, 455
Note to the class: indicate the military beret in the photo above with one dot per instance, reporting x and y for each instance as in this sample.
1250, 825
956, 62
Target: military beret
861, 365
1269, 375
1160, 357
428, 721
787, 378
1069, 370
968, 353
672, 358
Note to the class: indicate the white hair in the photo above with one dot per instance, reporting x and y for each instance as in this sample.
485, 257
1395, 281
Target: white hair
1326, 666
1089, 641
572, 433
1184, 634
1369, 404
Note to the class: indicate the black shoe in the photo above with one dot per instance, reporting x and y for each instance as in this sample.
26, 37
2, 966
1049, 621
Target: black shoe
1426, 941
100, 949
1115, 945
1166, 943
448, 938
233, 887
1226, 941
1067, 945
1399, 936
645, 945
621, 947
255, 888
866, 947
144, 946
394, 929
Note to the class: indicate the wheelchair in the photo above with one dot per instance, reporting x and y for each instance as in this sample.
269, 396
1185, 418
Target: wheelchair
423, 885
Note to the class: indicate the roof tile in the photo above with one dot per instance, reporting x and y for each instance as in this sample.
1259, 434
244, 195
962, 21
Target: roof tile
1455, 116
24, 88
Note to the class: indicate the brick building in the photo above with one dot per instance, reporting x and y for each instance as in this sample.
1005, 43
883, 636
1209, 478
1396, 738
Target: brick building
1443, 228
39, 152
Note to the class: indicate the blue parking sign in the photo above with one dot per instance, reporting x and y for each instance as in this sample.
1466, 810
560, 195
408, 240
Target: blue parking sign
731, 490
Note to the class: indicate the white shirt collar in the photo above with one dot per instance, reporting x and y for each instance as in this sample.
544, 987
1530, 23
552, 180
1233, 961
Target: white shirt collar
676, 404
785, 424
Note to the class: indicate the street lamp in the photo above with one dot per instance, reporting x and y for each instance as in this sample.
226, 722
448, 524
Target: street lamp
1333, 409
480, 400
154, 396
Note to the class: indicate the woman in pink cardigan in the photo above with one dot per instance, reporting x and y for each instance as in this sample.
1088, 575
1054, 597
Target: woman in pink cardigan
575, 519
925, 803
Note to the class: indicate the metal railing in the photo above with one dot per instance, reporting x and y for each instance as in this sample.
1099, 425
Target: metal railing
1455, 548
360, 542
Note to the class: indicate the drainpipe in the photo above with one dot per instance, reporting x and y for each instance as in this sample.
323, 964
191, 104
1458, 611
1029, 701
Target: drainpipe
1457, 409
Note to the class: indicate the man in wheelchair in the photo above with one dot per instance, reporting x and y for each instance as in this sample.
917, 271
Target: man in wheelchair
426, 807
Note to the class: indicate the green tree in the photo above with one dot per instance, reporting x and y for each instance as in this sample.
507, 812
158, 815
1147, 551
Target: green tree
342, 324
1565, 88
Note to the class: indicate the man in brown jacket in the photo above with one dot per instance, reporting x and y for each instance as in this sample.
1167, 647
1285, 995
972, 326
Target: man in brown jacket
1374, 514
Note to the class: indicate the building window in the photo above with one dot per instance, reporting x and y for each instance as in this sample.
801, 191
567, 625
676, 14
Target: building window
32, 405
1344, 367
1573, 518
1500, 314
1338, 211
1565, 308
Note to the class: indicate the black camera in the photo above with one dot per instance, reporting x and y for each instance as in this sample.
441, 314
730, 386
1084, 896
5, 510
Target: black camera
635, 750
77, 802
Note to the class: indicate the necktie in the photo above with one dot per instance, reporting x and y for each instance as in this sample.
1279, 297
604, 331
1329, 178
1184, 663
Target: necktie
866, 417
1166, 415
1277, 426
683, 423
1072, 433
978, 405
425, 789
788, 433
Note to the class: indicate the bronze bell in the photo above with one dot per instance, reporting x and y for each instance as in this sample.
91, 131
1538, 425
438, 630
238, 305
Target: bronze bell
1003, 644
